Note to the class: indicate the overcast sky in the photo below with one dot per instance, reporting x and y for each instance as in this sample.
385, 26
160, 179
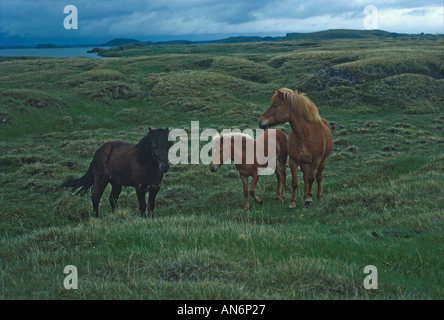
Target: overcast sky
34, 21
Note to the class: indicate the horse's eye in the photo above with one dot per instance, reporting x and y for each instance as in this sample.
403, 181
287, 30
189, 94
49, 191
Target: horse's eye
274, 106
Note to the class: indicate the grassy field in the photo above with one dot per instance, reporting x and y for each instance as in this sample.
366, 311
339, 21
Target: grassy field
383, 189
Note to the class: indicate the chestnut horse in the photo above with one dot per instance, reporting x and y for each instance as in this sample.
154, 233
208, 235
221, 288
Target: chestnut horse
250, 164
310, 140
139, 165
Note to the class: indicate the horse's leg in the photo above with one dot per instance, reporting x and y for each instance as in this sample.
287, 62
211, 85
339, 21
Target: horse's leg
309, 177
277, 172
99, 187
319, 177
283, 175
140, 192
245, 189
294, 182
114, 196
253, 188
152, 200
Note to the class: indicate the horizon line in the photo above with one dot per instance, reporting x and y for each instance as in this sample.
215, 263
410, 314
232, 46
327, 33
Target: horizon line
42, 44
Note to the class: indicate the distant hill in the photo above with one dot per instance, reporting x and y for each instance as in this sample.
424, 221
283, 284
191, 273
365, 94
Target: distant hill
121, 42
173, 42
310, 36
46, 46
321, 35
340, 34
246, 39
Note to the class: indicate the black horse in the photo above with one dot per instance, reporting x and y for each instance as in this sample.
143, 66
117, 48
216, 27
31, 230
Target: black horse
140, 165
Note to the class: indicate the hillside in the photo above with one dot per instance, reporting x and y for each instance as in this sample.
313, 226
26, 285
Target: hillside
382, 206
321, 35
343, 34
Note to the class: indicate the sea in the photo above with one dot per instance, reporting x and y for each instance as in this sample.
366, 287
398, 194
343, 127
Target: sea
70, 52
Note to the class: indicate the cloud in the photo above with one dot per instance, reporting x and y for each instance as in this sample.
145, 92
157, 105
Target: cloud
146, 18
425, 19
416, 12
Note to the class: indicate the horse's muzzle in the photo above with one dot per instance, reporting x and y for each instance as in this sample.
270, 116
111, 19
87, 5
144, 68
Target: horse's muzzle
213, 168
263, 125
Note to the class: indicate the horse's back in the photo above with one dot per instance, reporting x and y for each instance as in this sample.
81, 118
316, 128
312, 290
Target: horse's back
113, 158
282, 143
114, 150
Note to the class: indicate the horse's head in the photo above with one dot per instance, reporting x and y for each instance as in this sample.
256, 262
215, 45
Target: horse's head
159, 147
220, 154
279, 111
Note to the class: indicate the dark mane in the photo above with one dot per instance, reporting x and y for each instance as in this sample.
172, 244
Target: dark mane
156, 137
143, 148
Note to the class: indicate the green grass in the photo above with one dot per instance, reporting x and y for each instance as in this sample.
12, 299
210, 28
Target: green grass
383, 202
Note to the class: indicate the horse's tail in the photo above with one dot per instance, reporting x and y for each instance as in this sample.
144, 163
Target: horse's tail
84, 182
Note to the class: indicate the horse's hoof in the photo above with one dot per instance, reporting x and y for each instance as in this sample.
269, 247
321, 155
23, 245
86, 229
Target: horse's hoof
292, 206
308, 203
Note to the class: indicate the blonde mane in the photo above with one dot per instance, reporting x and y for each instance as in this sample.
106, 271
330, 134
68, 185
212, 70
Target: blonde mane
300, 103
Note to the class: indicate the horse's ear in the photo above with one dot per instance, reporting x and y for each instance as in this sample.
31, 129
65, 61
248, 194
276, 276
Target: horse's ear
149, 129
280, 93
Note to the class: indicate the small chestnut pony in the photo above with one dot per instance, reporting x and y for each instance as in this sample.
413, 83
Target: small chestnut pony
310, 140
236, 146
